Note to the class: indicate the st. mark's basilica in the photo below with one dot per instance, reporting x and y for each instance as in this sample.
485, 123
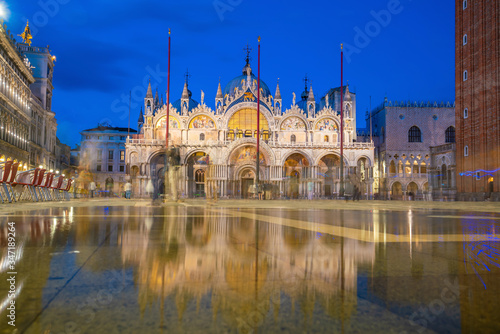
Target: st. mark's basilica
299, 144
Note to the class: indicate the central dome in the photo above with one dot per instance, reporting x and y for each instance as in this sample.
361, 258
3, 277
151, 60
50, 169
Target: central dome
240, 82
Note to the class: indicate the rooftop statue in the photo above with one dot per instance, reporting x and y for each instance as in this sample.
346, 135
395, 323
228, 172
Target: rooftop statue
26, 35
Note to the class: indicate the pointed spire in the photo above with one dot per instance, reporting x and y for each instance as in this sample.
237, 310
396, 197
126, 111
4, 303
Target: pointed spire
311, 94
156, 97
277, 95
219, 92
347, 95
161, 101
141, 118
185, 91
149, 94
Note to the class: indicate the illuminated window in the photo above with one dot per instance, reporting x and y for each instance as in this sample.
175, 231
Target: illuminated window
326, 139
122, 155
246, 119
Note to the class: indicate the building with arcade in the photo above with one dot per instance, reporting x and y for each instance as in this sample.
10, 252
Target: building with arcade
299, 144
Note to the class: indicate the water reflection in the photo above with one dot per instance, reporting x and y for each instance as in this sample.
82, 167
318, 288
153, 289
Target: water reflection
210, 270
246, 266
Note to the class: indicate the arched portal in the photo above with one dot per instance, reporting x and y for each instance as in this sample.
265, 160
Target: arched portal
197, 165
296, 168
157, 173
397, 191
329, 173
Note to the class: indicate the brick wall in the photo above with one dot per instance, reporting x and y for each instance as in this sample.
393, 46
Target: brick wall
480, 95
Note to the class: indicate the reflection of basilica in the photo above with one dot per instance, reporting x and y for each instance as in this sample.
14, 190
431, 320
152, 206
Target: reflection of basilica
243, 265
299, 145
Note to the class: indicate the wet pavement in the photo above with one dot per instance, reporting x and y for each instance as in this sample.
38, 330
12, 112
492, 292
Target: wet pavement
130, 267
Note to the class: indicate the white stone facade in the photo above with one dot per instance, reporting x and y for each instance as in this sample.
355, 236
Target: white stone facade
299, 146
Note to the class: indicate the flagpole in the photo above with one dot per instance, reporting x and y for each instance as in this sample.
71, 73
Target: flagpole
341, 120
167, 123
129, 103
257, 170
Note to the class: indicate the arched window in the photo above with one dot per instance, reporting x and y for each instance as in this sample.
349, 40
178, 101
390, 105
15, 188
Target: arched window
466, 113
392, 168
414, 135
326, 139
466, 151
202, 136
450, 135
465, 39
293, 138
466, 75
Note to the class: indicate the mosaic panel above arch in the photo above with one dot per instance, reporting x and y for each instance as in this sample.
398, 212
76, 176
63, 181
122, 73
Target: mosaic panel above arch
326, 124
202, 122
173, 122
244, 155
293, 123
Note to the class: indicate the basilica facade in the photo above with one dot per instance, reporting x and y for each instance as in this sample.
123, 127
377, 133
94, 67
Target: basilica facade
299, 145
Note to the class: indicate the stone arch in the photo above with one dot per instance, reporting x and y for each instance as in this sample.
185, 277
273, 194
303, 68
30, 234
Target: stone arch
412, 187
248, 105
194, 117
269, 154
288, 154
323, 119
196, 162
336, 153
364, 157
396, 190
288, 118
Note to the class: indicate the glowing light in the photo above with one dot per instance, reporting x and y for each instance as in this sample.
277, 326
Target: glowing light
4, 11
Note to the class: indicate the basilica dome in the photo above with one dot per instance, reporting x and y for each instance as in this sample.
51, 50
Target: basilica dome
240, 82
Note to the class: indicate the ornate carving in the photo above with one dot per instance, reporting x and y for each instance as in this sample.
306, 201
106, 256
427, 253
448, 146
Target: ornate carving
293, 123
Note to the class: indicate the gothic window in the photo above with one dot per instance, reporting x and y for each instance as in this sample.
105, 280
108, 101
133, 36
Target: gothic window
292, 138
392, 167
414, 135
450, 135
202, 136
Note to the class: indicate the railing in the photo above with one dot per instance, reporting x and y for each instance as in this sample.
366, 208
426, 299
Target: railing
26, 48
273, 144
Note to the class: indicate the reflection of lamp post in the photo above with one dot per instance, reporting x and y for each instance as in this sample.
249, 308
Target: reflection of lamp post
341, 192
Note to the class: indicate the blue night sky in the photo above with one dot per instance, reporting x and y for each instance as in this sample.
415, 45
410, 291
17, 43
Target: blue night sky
105, 49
